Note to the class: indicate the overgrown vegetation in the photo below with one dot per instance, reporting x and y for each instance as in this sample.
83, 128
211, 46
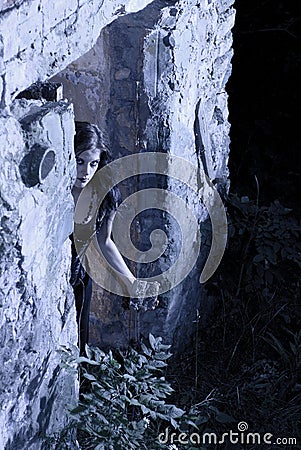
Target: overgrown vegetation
245, 364
123, 403
249, 353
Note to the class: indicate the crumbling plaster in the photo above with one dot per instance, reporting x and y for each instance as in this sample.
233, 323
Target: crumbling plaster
40, 38
37, 312
168, 66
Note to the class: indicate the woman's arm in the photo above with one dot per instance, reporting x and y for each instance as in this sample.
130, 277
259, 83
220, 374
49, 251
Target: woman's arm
111, 252
138, 290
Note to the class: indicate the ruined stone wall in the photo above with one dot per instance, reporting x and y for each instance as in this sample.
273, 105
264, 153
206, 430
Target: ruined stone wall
37, 306
186, 87
157, 79
38, 39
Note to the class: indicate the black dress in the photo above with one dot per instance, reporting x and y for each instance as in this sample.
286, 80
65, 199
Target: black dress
82, 288
80, 280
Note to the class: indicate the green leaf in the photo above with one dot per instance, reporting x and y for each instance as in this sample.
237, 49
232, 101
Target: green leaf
162, 355
201, 420
79, 409
152, 341
82, 359
174, 423
144, 409
258, 258
192, 424
90, 377
129, 377
146, 350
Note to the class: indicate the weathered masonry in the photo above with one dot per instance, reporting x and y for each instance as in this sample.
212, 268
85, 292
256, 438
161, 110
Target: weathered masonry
155, 73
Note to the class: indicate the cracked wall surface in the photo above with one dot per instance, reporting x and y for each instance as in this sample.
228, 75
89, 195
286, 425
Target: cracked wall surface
40, 38
157, 80
37, 305
37, 313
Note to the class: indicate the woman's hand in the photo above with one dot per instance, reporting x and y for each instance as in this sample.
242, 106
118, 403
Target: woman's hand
144, 295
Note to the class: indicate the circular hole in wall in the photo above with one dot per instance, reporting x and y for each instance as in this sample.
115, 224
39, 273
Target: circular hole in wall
36, 165
47, 163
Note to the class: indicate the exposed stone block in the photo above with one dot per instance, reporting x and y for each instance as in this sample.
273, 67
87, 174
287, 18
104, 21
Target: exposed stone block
37, 304
49, 35
169, 65
186, 62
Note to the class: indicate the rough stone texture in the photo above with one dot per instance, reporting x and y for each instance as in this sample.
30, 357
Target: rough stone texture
157, 78
169, 66
36, 301
48, 35
86, 82
38, 38
188, 103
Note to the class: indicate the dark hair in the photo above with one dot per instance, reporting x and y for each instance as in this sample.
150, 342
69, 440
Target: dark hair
89, 136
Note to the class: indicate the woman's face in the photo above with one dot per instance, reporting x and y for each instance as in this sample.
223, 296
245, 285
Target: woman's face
86, 164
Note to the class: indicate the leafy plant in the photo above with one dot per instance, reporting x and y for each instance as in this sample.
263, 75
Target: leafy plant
246, 355
273, 241
248, 350
124, 398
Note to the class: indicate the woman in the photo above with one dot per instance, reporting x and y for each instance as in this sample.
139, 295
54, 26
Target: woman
91, 154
